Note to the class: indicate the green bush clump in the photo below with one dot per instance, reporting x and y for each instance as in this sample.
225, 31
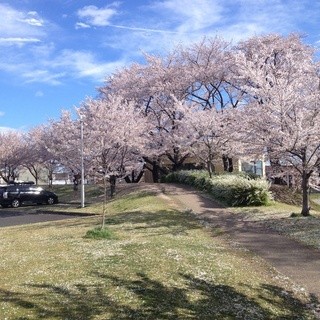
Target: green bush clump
100, 233
231, 189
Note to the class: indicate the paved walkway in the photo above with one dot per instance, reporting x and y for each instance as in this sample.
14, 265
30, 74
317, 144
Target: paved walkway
29, 214
297, 261
12, 217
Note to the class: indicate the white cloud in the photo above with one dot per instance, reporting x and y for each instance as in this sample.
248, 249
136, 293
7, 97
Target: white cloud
191, 15
32, 18
254, 17
163, 24
39, 94
20, 24
83, 64
233, 20
43, 76
42, 51
99, 17
18, 41
154, 28
81, 25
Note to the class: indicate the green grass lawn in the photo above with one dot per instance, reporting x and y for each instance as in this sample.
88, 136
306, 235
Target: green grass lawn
160, 264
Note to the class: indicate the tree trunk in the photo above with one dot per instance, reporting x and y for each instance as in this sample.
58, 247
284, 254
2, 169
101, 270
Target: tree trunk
177, 159
210, 168
155, 172
134, 178
155, 169
227, 164
113, 180
305, 193
104, 202
50, 179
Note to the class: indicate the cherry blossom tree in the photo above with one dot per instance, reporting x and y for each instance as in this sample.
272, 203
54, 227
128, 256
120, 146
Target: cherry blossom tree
282, 118
34, 153
153, 88
210, 135
115, 136
40, 156
196, 75
62, 142
11, 155
208, 64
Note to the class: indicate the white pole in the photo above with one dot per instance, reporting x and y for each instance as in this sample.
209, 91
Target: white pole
82, 165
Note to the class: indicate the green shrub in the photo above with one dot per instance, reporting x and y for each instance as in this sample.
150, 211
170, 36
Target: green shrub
100, 233
231, 189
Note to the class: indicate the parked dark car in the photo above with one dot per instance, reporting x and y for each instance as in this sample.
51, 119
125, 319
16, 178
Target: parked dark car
18, 194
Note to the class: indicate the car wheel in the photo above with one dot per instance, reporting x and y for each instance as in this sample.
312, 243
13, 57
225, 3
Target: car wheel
50, 200
15, 203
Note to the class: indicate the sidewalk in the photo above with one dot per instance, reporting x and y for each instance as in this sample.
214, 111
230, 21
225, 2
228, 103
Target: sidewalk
295, 260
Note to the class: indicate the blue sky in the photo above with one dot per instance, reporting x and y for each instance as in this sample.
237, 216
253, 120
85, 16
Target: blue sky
55, 53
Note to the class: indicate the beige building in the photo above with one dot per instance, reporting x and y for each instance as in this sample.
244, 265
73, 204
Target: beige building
256, 167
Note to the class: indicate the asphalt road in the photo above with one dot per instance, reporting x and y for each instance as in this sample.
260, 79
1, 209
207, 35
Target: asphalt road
14, 217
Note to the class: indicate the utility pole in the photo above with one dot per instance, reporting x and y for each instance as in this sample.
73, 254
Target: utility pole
82, 164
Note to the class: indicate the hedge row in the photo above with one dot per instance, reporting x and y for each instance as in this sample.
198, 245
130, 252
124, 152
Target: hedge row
230, 189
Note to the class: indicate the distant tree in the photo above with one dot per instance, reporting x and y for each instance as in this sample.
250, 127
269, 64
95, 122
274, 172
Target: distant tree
62, 143
282, 117
46, 151
34, 153
115, 136
11, 155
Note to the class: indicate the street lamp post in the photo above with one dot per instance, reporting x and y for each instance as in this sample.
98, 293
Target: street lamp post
82, 165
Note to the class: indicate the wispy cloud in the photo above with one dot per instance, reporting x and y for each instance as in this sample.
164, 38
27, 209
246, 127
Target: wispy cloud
154, 28
95, 16
19, 24
32, 18
81, 25
39, 94
190, 16
43, 76
170, 22
143, 29
83, 64
17, 41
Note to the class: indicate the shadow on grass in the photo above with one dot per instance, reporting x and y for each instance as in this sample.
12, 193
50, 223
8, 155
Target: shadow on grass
156, 223
151, 299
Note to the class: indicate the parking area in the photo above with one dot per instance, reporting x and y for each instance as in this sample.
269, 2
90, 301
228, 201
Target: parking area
13, 217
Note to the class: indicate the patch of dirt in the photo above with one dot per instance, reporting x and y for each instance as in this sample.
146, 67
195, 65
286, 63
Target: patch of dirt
123, 189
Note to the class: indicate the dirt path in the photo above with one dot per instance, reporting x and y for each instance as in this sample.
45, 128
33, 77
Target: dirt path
298, 262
